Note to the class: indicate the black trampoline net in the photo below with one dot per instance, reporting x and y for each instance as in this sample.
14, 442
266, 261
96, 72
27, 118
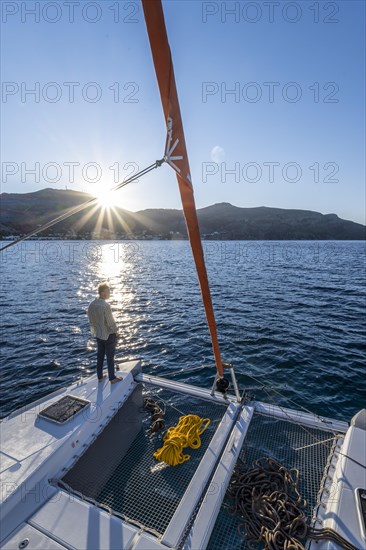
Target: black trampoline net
119, 472
294, 446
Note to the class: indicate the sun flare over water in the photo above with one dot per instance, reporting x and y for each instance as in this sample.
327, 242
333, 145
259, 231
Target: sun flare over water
106, 198
105, 219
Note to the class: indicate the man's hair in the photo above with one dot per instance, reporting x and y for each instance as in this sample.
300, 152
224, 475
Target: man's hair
102, 287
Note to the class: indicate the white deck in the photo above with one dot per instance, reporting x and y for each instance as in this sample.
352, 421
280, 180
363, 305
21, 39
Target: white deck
35, 449
339, 509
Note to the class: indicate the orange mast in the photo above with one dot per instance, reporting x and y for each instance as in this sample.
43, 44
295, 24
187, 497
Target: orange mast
176, 153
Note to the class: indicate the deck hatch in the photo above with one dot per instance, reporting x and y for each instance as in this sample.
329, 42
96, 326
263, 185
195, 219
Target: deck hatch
63, 409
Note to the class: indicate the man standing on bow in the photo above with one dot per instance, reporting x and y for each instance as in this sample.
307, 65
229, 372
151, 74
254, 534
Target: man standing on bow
104, 328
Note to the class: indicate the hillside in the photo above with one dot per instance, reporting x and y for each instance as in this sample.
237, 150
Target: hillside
21, 213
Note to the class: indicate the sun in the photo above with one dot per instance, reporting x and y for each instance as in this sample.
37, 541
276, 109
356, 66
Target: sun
106, 198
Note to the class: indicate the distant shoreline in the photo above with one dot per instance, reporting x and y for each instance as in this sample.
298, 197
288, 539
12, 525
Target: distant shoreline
155, 239
24, 213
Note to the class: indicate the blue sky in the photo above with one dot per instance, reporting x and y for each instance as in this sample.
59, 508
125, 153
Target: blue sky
290, 135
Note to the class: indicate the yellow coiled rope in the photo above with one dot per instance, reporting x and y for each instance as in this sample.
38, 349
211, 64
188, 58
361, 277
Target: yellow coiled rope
185, 434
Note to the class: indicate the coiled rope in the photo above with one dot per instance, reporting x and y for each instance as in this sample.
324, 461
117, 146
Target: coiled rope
185, 434
157, 413
270, 508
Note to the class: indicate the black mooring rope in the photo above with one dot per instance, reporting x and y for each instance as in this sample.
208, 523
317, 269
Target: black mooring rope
157, 413
271, 510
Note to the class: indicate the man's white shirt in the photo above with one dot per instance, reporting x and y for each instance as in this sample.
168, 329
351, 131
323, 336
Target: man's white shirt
101, 319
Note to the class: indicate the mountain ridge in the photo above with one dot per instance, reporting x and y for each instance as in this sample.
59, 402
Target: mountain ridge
23, 212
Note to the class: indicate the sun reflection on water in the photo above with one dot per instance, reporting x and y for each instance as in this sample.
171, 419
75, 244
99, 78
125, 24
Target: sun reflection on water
116, 263
111, 263
115, 268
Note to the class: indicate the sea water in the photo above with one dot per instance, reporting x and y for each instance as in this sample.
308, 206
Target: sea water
290, 316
